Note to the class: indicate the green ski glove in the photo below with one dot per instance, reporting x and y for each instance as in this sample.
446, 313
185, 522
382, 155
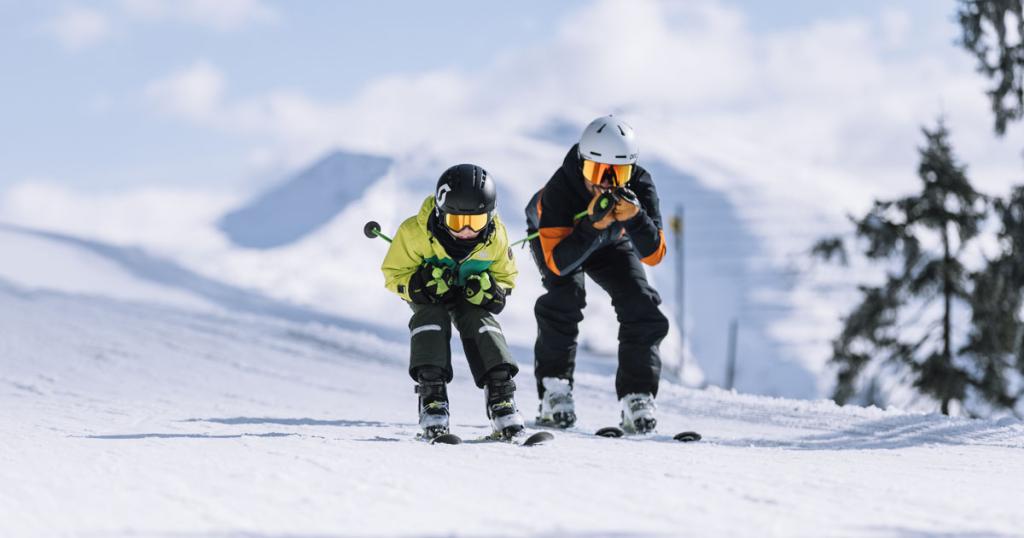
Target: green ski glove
431, 284
483, 291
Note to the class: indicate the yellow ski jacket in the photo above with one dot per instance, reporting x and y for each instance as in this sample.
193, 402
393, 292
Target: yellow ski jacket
414, 245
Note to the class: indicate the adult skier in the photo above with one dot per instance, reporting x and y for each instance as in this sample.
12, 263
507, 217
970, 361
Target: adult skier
621, 231
452, 264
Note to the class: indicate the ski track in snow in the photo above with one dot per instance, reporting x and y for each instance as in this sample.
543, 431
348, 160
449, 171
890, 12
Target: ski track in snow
126, 419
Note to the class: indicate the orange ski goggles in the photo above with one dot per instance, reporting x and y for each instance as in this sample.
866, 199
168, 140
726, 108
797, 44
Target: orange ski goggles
475, 222
594, 172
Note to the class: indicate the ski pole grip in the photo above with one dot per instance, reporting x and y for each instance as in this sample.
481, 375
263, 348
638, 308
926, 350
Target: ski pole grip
605, 204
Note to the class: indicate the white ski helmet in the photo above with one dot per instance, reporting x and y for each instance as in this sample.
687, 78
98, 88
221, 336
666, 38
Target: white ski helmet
609, 140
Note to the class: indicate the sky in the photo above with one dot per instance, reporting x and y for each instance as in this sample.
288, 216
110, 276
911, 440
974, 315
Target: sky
125, 93
75, 77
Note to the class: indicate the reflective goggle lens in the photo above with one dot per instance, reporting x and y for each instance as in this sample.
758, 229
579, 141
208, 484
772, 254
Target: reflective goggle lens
458, 222
594, 172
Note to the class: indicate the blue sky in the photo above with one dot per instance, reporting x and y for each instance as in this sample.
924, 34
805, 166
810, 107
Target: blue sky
75, 114
73, 99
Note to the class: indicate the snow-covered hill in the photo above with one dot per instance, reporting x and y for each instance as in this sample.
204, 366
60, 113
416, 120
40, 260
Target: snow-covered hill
303, 203
187, 406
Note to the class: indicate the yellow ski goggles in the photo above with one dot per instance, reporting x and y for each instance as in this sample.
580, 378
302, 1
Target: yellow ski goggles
594, 172
475, 222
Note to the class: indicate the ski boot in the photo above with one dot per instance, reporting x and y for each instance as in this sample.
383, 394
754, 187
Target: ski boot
433, 402
499, 394
638, 413
556, 405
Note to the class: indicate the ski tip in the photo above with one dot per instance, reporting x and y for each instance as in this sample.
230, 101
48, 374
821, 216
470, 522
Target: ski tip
446, 439
371, 229
538, 438
610, 431
687, 437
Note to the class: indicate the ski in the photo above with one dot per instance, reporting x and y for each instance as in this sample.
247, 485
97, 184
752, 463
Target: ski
687, 437
616, 432
610, 431
538, 438
443, 439
446, 439
534, 439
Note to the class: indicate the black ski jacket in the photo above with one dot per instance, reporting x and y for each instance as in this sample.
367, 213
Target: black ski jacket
567, 242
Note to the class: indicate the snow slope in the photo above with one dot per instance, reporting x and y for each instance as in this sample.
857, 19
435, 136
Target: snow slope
129, 416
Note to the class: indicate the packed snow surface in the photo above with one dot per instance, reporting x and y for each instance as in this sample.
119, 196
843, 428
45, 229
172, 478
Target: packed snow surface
142, 413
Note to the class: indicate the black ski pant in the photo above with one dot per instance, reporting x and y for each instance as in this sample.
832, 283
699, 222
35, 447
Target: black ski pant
642, 326
430, 331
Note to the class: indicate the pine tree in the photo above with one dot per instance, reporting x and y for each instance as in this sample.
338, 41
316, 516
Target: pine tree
947, 210
992, 30
996, 340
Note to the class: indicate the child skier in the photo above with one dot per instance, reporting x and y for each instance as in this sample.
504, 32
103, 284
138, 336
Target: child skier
452, 264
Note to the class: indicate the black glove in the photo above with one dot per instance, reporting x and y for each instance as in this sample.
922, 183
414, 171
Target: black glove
431, 284
483, 291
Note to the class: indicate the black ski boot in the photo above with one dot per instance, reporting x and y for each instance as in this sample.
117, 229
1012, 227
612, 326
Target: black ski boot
433, 402
499, 394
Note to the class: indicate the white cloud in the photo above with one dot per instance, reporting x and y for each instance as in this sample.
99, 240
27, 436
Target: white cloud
77, 28
220, 15
896, 26
195, 93
839, 96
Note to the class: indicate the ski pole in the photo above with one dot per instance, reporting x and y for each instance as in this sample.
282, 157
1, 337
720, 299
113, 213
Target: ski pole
525, 239
372, 229
534, 235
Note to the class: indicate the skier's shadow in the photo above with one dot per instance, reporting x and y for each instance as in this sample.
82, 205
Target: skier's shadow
247, 421
342, 423
136, 436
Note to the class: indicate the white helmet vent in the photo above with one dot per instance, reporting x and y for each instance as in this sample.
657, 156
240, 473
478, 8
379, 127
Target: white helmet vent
609, 146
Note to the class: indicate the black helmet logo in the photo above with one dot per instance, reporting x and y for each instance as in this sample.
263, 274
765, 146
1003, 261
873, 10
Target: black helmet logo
442, 195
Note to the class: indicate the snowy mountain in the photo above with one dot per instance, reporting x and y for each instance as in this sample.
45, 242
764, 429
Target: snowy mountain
144, 399
304, 202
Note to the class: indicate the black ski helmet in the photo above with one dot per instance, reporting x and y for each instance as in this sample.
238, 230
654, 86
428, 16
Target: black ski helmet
465, 189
